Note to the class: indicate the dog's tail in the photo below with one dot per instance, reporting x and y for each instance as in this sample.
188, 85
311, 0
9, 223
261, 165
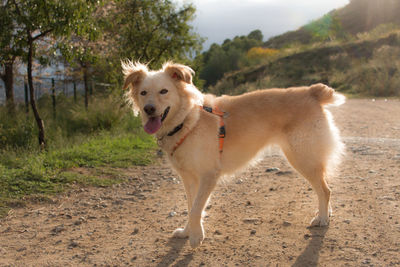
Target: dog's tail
326, 95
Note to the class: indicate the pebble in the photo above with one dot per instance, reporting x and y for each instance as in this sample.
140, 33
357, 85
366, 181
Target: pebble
280, 173
135, 231
286, 223
273, 169
58, 229
172, 214
347, 221
253, 232
73, 244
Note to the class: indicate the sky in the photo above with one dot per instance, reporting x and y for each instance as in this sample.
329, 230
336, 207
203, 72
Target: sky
218, 20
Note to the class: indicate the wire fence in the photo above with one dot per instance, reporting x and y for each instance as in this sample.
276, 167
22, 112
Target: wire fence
51, 86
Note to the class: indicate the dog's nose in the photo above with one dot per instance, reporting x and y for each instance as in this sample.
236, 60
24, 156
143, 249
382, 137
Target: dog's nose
149, 109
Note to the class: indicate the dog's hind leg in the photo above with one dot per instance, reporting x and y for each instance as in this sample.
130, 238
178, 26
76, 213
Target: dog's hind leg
191, 184
206, 186
313, 168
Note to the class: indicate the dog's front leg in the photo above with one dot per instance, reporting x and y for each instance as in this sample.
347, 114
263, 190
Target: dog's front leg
191, 184
196, 232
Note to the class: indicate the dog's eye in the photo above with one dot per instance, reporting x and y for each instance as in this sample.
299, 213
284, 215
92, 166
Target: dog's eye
163, 91
143, 93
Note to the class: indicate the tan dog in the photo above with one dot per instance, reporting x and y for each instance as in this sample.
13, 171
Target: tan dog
293, 118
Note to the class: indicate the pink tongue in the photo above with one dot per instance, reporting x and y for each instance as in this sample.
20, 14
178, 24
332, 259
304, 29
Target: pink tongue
152, 125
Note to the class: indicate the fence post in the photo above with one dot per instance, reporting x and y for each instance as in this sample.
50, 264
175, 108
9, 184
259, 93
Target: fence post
26, 98
53, 96
74, 91
91, 87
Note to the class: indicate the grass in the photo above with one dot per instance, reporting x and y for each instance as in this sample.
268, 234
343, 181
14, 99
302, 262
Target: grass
96, 140
38, 174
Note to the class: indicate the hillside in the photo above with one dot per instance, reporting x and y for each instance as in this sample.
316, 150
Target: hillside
356, 17
352, 49
361, 67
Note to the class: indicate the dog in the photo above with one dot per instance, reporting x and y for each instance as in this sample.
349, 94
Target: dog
206, 137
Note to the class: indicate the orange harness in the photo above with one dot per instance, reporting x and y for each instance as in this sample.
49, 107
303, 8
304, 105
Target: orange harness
221, 133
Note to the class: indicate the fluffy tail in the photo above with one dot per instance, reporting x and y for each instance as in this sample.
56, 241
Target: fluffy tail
326, 95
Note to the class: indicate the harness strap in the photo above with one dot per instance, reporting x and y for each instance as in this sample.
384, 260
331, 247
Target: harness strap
221, 133
179, 143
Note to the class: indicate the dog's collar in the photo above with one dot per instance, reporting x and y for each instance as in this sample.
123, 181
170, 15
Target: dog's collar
175, 130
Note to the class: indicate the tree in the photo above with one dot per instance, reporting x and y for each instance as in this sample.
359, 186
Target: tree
38, 19
10, 50
229, 56
154, 31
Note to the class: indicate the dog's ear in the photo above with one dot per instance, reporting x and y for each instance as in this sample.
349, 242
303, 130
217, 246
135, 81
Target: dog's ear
178, 72
134, 73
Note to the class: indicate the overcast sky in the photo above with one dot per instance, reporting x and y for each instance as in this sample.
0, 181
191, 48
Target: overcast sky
218, 20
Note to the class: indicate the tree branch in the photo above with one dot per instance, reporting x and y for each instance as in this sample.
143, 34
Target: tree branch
41, 34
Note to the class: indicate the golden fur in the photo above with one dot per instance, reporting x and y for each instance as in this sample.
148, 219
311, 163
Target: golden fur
293, 118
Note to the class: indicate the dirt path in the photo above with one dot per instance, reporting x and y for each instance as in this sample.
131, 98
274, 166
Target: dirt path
258, 218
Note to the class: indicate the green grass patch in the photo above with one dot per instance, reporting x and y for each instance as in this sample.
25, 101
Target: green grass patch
34, 173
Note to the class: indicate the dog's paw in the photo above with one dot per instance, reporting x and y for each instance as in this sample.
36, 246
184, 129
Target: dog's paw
180, 233
319, 221
196, 238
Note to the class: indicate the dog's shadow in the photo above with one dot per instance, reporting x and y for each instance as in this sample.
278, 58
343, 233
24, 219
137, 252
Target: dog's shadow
176, 245
310, 255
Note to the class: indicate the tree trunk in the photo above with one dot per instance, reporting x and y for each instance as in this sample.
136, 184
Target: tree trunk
39, 121
8, 79
85, 80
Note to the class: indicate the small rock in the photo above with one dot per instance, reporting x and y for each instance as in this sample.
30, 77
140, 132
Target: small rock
273, 169
253, 232
280, 173
135, 231
248, 203
217, 232
307, 236
286, 223
240, 181
347, 221
58, 229
254, 221
172, 214
73, 244
134, 258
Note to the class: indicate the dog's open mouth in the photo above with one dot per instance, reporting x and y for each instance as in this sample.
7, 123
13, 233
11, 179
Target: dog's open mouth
154, 123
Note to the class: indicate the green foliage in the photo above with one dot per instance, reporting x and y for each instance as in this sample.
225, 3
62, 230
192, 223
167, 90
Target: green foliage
328, 28
25, 171
229, 56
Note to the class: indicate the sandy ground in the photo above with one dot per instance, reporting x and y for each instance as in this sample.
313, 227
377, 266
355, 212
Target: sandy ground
257, 218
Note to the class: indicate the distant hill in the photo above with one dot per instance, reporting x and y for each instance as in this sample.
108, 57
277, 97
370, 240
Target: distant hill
358, 16
355, 49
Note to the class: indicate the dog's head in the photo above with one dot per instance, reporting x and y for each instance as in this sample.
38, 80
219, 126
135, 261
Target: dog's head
163, 97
